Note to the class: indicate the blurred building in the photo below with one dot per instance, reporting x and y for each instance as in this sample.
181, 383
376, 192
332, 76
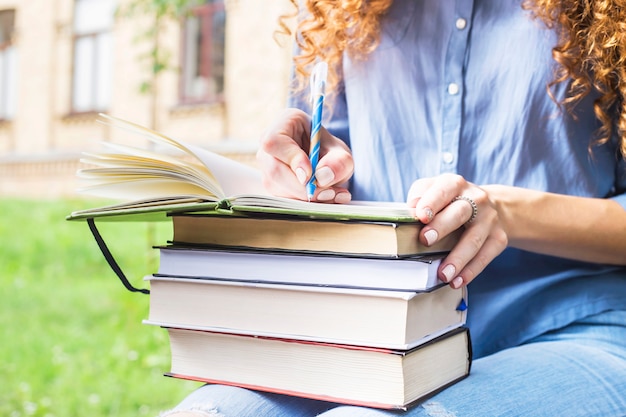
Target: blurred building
64, 61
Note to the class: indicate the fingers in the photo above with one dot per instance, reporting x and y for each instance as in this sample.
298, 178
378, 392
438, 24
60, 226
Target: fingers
482, 240
471, 256
286, 143
453, 216
432, 195
471, 202
278, 178
335, 165
339, 195
447, 203
284, 161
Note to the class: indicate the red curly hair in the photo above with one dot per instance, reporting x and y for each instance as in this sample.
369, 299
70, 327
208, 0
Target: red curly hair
591, 49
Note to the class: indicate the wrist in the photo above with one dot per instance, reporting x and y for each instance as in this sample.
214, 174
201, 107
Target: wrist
513, 205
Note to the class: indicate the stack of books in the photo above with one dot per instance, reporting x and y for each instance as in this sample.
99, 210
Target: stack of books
256, 302
334, 302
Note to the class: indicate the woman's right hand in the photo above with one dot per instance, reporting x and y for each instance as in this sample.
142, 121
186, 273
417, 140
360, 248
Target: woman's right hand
285, 165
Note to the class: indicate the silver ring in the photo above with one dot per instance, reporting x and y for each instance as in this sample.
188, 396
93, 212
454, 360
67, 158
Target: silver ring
471, 202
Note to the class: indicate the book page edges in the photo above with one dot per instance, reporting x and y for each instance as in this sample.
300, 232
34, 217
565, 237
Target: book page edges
201, 205
305, 338
291, 393
403, 406
142, 173
363, 292
149, 210
400, 407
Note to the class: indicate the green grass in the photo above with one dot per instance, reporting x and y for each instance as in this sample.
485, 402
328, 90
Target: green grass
71, 338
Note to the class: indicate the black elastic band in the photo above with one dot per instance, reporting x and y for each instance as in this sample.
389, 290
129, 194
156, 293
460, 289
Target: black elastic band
110, 260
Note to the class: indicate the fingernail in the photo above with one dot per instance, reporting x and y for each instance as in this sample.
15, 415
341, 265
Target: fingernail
343, 198
431, 236
301, 175
324, 176
326, 195
448, 272
429, 213
457, 282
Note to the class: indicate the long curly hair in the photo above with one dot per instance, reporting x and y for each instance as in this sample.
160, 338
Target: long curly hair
591, 47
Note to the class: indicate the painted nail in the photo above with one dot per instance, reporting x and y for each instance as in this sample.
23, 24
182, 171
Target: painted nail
343, 198
301, 175
324, 176
431, 236
326, 195
457, 282
429, 213
448, 272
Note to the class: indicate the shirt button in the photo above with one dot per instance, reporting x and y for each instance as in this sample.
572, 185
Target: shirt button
453, 89
461, 23
448, 157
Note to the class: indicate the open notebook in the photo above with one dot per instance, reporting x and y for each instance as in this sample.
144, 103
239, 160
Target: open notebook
183, 178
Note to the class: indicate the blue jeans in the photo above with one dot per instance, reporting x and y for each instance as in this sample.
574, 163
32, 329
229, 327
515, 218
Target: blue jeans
579, 370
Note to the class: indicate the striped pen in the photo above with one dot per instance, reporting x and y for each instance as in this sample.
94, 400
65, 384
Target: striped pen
318, 85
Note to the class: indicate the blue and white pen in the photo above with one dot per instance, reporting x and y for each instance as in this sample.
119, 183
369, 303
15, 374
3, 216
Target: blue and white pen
318, 85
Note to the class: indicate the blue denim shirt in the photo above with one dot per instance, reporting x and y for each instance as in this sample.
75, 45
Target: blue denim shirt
460, 86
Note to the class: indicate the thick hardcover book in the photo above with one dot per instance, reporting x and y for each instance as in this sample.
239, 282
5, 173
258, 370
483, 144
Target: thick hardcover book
382, 378
388, 273
389, 319
294, 233
181, 177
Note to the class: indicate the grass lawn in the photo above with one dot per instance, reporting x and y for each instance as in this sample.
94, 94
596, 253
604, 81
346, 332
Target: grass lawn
72, 340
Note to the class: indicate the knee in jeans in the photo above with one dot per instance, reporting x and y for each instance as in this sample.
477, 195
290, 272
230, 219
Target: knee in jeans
193, 411
436, 409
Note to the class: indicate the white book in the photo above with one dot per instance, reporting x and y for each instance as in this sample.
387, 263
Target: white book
386, 319
406, 274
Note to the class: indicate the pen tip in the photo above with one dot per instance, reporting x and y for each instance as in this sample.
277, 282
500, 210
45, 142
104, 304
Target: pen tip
310, 190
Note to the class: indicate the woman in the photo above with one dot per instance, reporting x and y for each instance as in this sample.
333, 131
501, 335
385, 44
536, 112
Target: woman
506, 119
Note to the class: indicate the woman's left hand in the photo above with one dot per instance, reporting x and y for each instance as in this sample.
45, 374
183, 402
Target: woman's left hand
448, 202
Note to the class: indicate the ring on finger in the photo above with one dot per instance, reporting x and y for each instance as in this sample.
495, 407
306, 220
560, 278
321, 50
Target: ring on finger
471, 203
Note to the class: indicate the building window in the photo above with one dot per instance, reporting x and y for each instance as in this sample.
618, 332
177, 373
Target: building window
8, 65
92, 73
202, 66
